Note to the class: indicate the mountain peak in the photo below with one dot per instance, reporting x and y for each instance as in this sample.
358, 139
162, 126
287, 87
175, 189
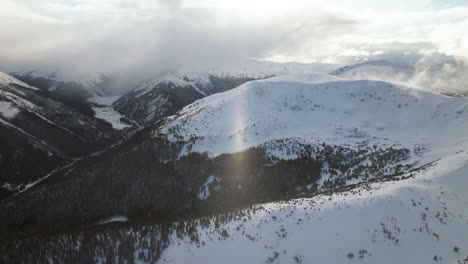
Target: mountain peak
180, 78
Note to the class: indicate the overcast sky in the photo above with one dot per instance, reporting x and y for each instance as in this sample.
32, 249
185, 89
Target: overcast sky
112, 35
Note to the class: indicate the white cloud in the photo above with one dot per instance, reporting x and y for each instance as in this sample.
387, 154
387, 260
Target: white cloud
109, 35
453, 38
354, 53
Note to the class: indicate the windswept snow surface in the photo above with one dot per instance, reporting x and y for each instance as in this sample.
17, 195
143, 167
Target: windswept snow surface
104, 111
317, 108
416, 220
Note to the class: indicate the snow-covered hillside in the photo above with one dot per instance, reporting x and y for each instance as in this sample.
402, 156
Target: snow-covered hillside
317, 108
165, 93
6, 79
200, 81
417, 220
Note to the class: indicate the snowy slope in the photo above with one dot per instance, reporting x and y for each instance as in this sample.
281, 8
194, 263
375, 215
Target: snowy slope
7, 110
198, 80
167, 92
322, 108
416, 220
6, 79
11, 102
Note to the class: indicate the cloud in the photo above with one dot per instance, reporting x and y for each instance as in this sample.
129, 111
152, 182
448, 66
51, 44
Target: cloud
439, 72
150, 36
453, 38
123, 34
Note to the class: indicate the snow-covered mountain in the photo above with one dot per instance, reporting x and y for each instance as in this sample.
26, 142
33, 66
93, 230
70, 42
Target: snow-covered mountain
287, 137
306, 107
52, 81
64, 88
39, 134
76, 90
166, 93
91, 94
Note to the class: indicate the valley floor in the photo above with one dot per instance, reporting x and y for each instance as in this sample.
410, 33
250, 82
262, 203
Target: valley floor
423, 219
104, 111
